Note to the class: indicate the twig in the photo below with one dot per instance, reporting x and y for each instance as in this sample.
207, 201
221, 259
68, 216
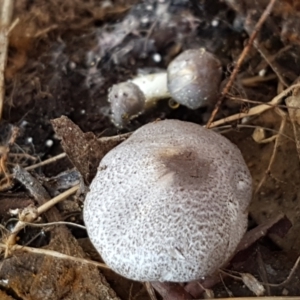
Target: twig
241, 59
47, 161
295, 266
226, 128
262, 270
6, 16
50, 224
264, 54
57, 199
55, 254
294, 107
228, 291
255, 80
30, 217
281, 129
258, 232
295, 118
256, 109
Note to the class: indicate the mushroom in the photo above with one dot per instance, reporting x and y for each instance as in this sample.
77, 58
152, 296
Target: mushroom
169, 203
127, 102
192, 79
129, 99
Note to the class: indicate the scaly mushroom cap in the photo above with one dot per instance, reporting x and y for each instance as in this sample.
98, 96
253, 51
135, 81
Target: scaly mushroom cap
194, 78
169, 203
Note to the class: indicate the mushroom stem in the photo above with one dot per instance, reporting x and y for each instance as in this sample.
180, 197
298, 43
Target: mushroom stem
154, 87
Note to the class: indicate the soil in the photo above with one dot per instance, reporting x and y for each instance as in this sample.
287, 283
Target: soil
63, 57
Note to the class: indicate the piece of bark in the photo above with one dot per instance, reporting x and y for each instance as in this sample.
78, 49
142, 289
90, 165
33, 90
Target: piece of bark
84, 150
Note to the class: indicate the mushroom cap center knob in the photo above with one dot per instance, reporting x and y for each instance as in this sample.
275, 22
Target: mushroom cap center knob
169, 203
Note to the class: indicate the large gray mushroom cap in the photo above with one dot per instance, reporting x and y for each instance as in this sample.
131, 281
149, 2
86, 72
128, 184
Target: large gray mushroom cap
169, 204
194, 78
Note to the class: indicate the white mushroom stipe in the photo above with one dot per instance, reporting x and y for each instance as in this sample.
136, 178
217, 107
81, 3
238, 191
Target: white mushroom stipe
194, 78
169, 203
154, 86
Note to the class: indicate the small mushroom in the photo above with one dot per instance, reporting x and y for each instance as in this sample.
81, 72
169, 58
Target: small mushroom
169, 203
194, 78
127, 101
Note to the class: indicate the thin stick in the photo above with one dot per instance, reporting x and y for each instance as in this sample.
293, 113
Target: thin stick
293, 107
256, 109
229, 128
267, 172
56, 254
43, 208
46, 162
295, 118
118, 137
6, 16
289, 277
30, 218
241, 59
51, 224
295, 266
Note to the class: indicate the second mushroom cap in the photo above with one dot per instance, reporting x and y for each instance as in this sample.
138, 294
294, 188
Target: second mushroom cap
194, 78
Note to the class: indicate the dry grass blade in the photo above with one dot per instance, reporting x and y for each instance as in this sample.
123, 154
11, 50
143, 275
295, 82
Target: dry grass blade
6, 15
257, 287
46, 162
54, 254
57, 199
50, 224
281, 129
295, 118
31, 217
257, 109
289, 277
